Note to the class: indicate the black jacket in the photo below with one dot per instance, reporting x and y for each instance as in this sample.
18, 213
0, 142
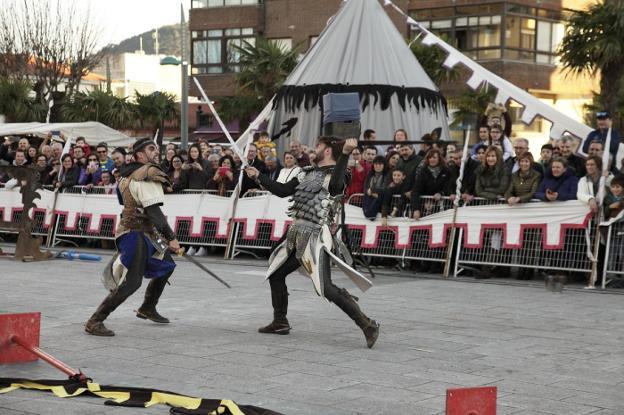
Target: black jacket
70, 178
427, 185
248, 183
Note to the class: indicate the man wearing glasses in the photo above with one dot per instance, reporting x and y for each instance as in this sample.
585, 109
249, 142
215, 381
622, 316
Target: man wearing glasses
106, 163
521, 147
603, 119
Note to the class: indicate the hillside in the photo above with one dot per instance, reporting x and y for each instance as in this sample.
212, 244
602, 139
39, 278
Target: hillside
168, 42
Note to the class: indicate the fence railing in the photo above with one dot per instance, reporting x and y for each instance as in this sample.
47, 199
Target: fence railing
614, 254
262, 242
574, 255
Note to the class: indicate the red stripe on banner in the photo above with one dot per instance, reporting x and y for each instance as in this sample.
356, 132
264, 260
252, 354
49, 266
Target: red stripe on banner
256, 229
89, 217
34, 211
503, 227
397, 244
202, 231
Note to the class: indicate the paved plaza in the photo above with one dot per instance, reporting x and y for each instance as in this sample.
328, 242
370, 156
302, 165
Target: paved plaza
548, 353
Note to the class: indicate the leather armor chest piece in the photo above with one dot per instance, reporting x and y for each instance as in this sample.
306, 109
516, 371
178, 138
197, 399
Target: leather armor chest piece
132, 217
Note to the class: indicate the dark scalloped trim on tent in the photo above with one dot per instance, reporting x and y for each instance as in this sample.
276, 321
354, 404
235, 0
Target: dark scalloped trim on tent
292, 96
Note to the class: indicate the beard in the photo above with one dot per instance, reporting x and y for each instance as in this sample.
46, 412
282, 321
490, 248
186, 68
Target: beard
320, 156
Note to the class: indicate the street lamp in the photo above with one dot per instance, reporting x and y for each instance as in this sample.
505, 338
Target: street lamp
170, 60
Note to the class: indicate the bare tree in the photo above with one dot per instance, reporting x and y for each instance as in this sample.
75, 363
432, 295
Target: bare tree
13, 59
52, 42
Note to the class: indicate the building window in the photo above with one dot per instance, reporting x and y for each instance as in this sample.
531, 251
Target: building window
203, 4
480, 31
214, 51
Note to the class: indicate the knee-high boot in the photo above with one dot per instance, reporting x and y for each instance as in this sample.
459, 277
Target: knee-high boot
95, 324
154, 290
279, 325
347, 303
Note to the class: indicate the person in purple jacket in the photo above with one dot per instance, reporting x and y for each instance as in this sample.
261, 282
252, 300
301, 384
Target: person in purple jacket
559, 183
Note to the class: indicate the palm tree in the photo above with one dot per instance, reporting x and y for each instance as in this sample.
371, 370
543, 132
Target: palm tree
431, 59
470, 105
152, 110
594, 44
16, 103
264, 66
100, 106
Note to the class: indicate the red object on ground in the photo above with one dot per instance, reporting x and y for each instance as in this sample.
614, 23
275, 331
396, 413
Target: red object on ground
471, 401
19, 342
26, 327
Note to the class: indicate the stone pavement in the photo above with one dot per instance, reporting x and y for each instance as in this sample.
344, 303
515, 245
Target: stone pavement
548, 353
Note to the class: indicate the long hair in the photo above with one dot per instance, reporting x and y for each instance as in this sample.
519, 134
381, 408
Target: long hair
199, 157
400, 130
499, 156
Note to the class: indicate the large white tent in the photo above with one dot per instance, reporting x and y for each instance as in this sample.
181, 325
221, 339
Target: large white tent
93, 132
361, 51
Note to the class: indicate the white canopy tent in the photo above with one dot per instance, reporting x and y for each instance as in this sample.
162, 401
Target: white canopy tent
361, 51
93, 132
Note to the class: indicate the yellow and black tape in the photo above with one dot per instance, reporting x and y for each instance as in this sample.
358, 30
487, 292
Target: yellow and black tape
134, 397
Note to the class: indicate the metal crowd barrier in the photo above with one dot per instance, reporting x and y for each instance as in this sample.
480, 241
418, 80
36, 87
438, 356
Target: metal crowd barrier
262, 242
573, 257
80, 230
419, 248
614, 254
209, 237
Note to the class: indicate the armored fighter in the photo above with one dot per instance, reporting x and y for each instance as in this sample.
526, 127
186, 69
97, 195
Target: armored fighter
310, 245
140, 239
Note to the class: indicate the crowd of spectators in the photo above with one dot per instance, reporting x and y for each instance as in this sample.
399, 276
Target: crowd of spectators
399, 180
498, 168
390, 178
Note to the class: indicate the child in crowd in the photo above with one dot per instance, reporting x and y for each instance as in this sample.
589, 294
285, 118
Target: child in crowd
546, 155
614, 201
264, 141
107, 183
394, 206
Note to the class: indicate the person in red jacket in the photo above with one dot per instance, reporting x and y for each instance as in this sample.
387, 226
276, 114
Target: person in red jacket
359, 172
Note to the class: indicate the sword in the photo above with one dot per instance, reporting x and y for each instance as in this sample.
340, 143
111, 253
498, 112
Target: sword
202, 267
162, 246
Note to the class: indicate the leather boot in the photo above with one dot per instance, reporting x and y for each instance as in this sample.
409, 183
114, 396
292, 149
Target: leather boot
95, 325
347, 303
154, 290
279, 325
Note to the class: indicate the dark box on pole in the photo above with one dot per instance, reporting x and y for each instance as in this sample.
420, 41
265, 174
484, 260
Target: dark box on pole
341, 115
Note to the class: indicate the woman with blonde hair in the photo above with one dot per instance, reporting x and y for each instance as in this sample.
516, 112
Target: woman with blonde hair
492, 176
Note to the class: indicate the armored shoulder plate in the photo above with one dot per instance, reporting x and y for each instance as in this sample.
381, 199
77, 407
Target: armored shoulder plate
151, 173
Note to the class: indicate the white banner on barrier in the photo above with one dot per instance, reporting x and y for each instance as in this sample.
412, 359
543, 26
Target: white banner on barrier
553, 217
262, 209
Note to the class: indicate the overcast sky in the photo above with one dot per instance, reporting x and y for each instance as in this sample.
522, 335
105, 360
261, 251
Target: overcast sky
121, 19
